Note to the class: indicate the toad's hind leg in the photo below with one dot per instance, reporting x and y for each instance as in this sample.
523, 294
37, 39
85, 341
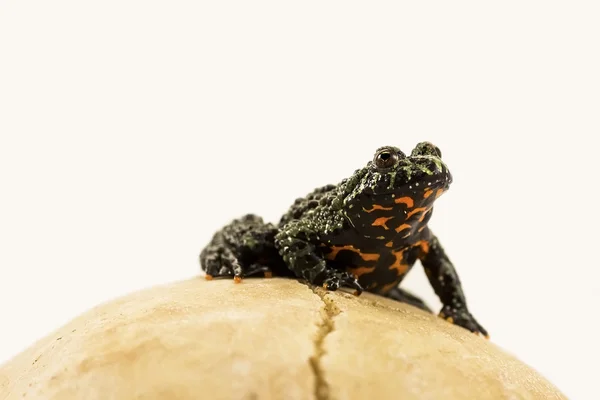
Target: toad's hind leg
406, 297
243, 248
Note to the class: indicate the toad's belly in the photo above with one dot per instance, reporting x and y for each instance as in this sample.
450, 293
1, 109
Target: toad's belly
377, 270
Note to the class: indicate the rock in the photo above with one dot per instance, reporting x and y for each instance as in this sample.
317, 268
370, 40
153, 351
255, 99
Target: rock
264, 339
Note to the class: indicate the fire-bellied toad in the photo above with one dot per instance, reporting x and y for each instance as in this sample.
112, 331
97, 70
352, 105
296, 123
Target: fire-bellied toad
365, 233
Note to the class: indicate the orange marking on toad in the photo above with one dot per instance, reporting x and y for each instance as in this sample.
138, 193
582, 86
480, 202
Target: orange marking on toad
415, 211
403, 227
410, 203
398, 264
365, 256
377, 207
423, 245
381, 221
359, 271
424, 214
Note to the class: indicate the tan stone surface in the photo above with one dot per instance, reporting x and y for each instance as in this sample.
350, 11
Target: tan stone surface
188, 340
258, 340
409, 354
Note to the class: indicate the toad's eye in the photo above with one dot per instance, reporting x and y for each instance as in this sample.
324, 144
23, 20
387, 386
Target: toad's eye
386, 159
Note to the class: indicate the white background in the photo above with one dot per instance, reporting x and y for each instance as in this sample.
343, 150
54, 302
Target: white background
132, 130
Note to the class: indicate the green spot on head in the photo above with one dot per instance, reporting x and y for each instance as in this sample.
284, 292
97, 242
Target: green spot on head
249, 242
438, 163
392, 179
425, 169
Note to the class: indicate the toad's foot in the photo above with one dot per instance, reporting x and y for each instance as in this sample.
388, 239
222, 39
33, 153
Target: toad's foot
335, 280
462, 317
225, 265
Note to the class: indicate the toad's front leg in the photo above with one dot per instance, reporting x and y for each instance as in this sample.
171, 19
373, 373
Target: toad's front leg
446, 284
296, 244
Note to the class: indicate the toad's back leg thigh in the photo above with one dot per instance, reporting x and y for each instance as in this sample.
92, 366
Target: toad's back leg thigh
244, 247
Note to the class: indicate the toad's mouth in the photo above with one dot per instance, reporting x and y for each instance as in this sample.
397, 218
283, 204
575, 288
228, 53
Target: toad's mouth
398, 201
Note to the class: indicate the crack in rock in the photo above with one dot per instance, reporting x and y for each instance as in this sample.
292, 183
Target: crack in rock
325, 326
